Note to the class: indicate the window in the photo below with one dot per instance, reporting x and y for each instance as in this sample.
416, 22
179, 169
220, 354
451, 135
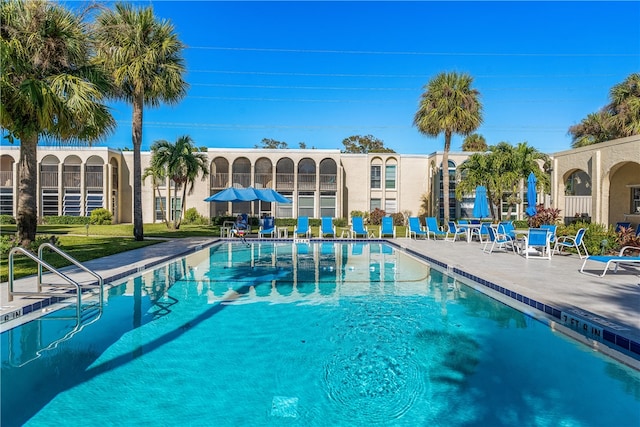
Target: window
285, 210
71, 203
161, 205
6, 201
390, 206
635, 200
328, 205
375, 176
390, 177
49, 202
305, 205
375, 204
93, 201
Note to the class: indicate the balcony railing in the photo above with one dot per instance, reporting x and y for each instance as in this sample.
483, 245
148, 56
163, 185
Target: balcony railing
328, 182
263, 180
220, 180
241, 179
93, 179
307, 181
49, 179
71, 179
6, 178
284, 181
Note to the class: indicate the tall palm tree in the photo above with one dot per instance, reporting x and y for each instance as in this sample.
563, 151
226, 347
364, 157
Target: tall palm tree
48, 90
157, 175
183, 163
474, 142
449, 105
625, 106
144, 57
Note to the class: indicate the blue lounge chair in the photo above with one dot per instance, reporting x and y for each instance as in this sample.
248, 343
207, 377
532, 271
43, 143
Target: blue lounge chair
618, 260
499, 239
358, 228
432, 228
267, 227
415, 228
302, 227
576, 242
538, 239
454, 231
387, 228
327, 227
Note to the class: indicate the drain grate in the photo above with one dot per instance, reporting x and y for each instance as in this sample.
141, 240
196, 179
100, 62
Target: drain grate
284, 407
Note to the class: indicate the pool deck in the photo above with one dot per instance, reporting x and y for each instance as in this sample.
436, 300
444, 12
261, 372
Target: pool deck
612, 300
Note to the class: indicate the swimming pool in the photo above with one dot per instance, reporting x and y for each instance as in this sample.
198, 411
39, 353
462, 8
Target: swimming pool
310, 334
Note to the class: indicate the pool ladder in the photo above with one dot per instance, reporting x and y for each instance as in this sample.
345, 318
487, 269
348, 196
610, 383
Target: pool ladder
61, 291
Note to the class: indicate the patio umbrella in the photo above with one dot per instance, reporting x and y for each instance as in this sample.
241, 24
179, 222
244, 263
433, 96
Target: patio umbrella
248, 194
480, 204
531, 194
271, 195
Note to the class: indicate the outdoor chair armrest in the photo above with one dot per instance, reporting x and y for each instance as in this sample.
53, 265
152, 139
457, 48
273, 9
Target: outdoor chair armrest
625, 248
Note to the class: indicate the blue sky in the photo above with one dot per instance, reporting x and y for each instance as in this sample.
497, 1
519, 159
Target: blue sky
319, 72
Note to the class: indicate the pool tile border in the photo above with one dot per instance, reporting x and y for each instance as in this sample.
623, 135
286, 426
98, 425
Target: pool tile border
592, 327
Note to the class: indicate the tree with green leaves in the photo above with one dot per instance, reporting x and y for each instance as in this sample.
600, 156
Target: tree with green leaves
268, 143
49, 91
158, 174
619, 119
503, 169
449, 105
144, 57
474, 142
182, 163
364, 144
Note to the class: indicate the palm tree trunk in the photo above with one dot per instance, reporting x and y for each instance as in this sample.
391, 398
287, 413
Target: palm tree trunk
138, 105
27, 212
183, 205
445, 175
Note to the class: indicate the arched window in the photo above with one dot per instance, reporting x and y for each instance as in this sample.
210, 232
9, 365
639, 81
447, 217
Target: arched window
263, 173
219, 173
241, 173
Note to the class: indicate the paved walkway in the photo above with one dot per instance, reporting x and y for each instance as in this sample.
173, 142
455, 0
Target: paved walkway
612, 301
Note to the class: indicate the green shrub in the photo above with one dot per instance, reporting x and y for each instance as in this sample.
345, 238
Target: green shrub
7, 219
8, 242
100, 216
521, 223
191, 216
65, 220
598, 237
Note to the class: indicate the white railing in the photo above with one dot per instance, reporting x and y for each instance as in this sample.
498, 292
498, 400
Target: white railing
6, 178
577, 205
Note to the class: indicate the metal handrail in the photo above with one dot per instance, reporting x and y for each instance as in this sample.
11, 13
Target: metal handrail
72, 260
49, 267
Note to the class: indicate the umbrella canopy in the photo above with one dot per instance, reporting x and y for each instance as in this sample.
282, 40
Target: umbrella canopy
248, 194
531, 194
481, 205
271, 195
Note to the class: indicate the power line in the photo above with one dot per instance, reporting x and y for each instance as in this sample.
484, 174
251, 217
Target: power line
500, 76
373, 52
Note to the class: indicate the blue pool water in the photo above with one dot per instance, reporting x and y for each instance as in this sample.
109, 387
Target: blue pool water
295, 334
